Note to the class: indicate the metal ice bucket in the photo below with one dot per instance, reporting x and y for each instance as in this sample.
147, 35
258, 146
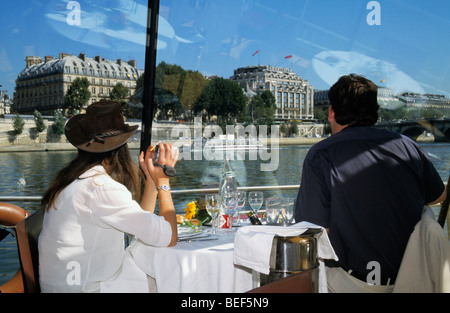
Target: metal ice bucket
294, 254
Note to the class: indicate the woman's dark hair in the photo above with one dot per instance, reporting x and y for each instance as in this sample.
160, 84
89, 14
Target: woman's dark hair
354, 101
118, 164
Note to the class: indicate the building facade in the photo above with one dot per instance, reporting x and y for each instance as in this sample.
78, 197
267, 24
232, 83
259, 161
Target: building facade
423, 101
5, 103
43, 84
294, 96
321, 98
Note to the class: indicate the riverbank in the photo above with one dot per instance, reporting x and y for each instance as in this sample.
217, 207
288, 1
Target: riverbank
65, 146
30, 140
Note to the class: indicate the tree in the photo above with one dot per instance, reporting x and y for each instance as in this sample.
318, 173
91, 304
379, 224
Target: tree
176, 91
253, 108
193, 86
223, 98
18, 125
186, 85
294, 128
58, 125
120, 94
321, 113
135, 105
168, 104
262, 108
39, 121
78, 95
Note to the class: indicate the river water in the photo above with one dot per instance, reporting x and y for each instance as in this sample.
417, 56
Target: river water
30, 173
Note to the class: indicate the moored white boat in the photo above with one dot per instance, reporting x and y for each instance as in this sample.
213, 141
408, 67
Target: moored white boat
224, 143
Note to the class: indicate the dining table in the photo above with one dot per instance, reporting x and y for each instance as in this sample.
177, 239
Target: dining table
199, 264
202, 262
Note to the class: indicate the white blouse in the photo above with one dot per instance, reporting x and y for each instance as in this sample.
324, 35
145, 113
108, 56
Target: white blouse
82, 241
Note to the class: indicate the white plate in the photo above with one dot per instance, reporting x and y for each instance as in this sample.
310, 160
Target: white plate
188, 233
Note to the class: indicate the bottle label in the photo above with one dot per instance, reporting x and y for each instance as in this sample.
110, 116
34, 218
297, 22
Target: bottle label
223, 221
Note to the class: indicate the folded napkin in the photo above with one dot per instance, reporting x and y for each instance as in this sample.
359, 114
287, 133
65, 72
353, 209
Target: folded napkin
253, 245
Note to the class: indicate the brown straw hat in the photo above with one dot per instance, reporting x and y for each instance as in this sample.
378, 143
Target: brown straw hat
101, 129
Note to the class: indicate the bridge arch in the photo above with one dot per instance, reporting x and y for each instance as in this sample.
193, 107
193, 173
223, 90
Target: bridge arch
414, 128
414, 131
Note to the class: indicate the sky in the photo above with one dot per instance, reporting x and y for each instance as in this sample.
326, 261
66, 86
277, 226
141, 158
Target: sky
403, 45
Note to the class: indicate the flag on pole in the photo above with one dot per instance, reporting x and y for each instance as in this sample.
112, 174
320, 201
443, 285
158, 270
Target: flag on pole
257, 51
288, 57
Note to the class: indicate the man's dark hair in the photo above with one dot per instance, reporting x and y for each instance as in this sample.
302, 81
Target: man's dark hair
354, 101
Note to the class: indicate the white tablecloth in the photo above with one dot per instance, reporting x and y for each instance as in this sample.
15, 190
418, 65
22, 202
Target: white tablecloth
253, 246
198, 266
225, 265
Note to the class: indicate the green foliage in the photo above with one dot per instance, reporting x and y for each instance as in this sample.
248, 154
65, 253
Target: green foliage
321, 114
168, 104
187, 86
119, 93
78, 95
58, 125
262, 108
193, 86
400, 111
223, 98
176, 91
289, 128
18, 125
294, 128
267, 112
39, 121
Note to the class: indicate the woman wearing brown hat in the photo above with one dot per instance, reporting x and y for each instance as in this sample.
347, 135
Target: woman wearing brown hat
91, 203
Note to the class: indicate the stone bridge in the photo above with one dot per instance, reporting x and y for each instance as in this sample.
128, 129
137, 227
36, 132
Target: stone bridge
440, 128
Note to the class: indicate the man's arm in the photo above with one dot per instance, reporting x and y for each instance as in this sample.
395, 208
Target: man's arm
440, 199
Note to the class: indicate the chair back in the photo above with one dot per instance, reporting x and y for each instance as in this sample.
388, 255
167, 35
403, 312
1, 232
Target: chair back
297, 283
444, 207
27, 234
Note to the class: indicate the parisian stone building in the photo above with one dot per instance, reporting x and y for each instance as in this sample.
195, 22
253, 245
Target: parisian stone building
294, 95
43, 84
5, 103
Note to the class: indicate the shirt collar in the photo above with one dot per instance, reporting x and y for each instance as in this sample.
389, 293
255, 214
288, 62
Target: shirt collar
93, 171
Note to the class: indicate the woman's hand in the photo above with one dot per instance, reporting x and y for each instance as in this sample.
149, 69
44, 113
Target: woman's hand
168, 155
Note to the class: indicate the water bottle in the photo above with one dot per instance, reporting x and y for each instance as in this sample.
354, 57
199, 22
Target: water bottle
227, 193
228, 183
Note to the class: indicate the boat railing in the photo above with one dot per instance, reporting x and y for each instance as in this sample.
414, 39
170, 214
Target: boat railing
198, 191
175, 192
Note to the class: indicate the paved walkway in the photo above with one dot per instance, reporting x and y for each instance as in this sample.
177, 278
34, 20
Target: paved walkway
49, 147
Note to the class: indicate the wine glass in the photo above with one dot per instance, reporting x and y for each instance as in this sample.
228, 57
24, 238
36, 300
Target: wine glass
213, 209
272, 210
241, 197
229, 202
255, 199
287, 209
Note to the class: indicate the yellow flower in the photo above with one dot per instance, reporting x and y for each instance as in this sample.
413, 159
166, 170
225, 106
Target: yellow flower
190, 210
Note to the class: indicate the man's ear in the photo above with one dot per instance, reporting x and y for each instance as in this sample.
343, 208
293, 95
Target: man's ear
330, 114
